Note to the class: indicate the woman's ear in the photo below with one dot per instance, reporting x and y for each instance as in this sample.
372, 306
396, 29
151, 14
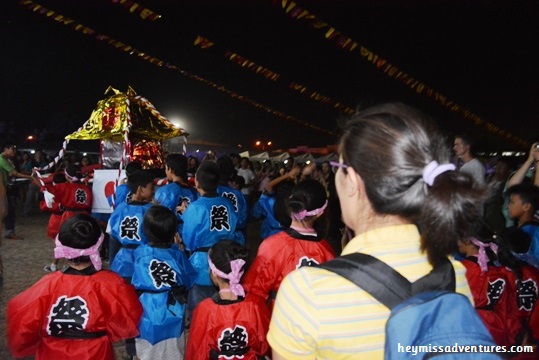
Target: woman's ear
354, 183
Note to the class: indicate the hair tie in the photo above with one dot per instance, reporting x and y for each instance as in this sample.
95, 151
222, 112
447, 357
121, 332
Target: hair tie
433, 169
304, 213
482, 258
234, 276
66, 252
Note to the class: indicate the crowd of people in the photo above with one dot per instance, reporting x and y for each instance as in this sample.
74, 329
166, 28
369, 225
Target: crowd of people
184, 282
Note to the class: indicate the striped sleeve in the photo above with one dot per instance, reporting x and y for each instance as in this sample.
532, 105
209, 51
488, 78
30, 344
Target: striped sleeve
294, 323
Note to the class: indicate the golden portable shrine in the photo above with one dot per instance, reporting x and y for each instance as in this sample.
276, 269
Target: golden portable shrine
129, 128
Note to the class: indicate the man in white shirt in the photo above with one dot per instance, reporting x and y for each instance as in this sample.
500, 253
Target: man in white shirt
249, 176
463, 149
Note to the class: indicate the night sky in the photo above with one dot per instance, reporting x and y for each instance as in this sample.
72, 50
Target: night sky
481, 54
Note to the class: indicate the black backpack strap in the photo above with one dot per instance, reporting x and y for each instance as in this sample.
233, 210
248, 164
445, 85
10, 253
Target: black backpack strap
441, 277
384, 283
372, 275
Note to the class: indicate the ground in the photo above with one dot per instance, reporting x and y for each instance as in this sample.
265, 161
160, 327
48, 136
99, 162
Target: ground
24, 261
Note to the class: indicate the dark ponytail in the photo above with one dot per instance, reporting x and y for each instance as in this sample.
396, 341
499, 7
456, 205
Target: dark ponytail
225, 251
453, 202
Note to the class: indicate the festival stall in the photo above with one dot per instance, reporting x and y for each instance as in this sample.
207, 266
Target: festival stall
129, 128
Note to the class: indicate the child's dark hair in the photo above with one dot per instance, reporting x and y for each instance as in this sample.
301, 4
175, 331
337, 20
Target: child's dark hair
132, 167
480, 231
528, 194
178, 164
160, 225
226, 168
207, 176
59, 178
225, 251
282, 192
139, 178
74, 171
509, 241
389, 146
79, 232
239, 181
306, 195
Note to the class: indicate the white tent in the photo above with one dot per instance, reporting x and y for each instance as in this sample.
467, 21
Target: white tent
244, 154
280, 157
303, 158
260, 157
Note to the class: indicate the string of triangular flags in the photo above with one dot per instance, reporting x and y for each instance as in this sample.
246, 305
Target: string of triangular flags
37, 8
136, 8
240, 60
351, 46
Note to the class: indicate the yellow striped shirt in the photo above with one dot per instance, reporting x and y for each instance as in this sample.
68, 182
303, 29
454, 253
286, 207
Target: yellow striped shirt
320, 315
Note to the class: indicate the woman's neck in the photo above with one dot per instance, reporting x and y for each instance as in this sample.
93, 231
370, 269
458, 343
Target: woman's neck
375, 221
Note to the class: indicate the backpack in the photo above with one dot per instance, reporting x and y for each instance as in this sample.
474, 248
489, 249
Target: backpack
427, 317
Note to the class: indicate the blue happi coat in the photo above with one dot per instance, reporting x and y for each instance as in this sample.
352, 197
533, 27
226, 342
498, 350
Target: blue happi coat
264, 208
126, 227
162, 277
172, 195
207, 221
240, 208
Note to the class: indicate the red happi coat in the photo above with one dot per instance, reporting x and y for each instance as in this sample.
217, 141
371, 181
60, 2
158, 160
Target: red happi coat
39, 318
69, 199
229, 329
494, 299
528, 293
280, 254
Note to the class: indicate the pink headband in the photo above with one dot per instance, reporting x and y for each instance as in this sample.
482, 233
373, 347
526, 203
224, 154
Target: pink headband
234, 277
433, 169
69, 177
482, 258
66, 252
304, 213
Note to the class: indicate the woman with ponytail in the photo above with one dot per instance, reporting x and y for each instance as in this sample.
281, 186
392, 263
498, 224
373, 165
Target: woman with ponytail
406, 205
301, 244
231, 324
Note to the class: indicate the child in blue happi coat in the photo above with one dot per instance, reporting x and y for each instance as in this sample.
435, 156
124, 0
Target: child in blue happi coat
162, 277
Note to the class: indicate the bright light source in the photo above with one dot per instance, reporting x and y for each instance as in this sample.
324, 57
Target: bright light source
257, 143
32, 152
197, 150
84, 154
30, 137
269, 143
286, 161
